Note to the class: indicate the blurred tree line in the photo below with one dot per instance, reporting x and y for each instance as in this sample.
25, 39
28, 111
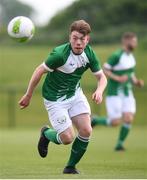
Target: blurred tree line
12, 8
108, 19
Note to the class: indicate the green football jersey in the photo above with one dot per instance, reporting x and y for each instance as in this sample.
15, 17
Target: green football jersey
120, 63
65, 70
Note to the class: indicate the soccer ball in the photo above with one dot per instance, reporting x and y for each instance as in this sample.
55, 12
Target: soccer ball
21, 29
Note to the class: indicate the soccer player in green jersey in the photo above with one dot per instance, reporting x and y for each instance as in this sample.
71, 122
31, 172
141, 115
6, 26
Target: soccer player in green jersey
63, 97
120, 102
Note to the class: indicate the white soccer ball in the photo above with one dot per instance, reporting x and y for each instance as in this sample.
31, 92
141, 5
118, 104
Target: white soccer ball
21, 29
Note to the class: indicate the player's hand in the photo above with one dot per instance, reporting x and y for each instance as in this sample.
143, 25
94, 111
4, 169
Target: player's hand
24, 101
122, 78
139, 83
97, 96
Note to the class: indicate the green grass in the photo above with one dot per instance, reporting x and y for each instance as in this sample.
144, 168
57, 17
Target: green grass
16, 66
19, 157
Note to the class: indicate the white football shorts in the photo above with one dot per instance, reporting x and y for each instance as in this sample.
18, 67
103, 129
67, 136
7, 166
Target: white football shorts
61, 112
117, 105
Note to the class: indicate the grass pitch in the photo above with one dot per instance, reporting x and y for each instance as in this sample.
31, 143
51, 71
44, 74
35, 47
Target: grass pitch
18, 147
17, 65
19, 157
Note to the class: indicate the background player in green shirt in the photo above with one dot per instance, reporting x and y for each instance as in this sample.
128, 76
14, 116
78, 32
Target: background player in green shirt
120, 102
63, 97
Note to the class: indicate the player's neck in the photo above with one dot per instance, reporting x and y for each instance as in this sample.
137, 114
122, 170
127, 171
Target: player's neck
128, 51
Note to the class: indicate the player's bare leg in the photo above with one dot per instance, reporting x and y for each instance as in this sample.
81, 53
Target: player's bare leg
83, 124
115, 122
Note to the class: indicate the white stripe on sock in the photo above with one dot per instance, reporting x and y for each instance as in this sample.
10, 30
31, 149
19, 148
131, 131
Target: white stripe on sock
126, 125
59, 139
84, 139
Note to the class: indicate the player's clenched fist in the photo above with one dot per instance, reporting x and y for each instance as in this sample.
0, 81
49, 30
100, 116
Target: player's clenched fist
97, 96
24, 101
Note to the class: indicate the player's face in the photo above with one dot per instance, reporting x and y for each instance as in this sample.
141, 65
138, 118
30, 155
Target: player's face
131, 44
78, 42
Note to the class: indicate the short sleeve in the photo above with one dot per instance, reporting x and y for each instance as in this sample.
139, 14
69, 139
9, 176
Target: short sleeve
112, 60
94, 62
53, 61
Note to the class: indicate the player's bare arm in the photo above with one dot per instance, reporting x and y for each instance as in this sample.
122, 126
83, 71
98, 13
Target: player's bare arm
110, 74
102, 82
137, 82
25, 100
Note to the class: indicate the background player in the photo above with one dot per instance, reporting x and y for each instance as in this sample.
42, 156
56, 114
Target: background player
120, 102
63, 96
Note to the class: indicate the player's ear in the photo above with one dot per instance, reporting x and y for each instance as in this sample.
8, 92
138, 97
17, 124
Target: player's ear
88, 38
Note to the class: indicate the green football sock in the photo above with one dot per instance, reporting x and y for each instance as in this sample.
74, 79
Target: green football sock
99, 121
52, 135
78, 149
124, 131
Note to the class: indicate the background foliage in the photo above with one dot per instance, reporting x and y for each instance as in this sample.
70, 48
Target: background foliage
108, 19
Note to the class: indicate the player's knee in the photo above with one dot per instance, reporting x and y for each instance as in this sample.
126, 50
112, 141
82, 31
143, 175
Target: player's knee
86, 131
115, 122
67, 138
128, 118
